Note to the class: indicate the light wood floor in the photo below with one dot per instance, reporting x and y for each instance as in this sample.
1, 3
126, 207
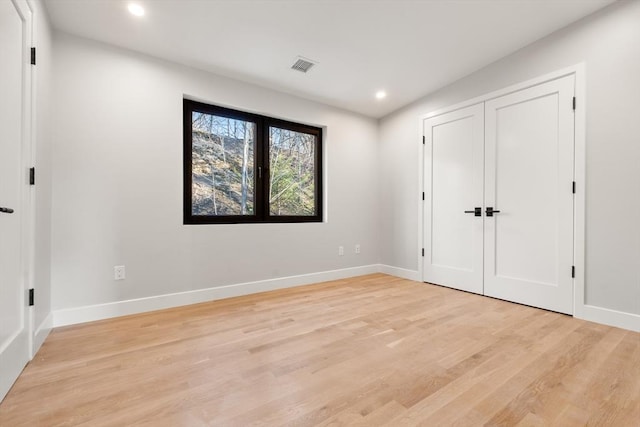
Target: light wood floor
366, 351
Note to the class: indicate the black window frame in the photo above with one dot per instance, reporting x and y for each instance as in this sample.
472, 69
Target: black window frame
261, 160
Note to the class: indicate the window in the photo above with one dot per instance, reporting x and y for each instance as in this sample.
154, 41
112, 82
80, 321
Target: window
241, 167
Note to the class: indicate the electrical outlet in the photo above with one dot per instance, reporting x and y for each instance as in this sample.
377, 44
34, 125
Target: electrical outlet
118, 272
357, 249
340, 250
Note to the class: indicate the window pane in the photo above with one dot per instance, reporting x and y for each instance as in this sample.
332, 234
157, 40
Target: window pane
292, 180
222, 165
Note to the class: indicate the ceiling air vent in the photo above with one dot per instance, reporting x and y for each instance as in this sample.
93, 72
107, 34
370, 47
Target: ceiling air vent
302, 65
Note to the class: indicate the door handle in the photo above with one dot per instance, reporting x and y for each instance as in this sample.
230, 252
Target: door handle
475, 211
490, 211
6, 210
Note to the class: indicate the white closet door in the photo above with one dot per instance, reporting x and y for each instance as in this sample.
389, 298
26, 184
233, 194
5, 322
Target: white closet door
453, 182
528, 178
14, 152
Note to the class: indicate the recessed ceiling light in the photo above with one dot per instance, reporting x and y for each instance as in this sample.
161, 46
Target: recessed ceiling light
381, 94
135, 9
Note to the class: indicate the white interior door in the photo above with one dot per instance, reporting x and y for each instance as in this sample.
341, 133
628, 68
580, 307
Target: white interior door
529, 150
453, 180
15, 33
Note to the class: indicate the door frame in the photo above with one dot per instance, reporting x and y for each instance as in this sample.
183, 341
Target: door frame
30, 161
28, 156
579, 170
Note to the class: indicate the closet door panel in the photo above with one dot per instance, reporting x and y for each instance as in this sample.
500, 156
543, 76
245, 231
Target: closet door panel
528, 177
453, 184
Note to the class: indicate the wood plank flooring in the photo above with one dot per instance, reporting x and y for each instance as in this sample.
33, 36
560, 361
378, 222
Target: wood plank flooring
368, 351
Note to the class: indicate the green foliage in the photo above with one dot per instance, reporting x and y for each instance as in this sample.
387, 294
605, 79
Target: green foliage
292, 186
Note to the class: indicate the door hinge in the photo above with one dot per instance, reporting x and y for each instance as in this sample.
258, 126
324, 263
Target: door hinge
31, 297
423, 195
422, 251
423, 139
573, 187
574, 103
32, 176
33, 56
573, 271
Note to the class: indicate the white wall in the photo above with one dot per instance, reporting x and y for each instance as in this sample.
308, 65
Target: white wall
117, 172
117, 183
609, 44
42, 162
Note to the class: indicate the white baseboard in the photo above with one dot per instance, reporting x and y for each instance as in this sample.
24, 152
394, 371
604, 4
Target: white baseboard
609, 317
41, 333
400, 272
71, 316
91, 313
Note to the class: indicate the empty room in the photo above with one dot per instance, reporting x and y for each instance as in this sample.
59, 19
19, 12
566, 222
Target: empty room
319, 212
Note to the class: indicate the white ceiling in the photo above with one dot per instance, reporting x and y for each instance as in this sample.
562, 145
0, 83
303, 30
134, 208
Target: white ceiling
408, 48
